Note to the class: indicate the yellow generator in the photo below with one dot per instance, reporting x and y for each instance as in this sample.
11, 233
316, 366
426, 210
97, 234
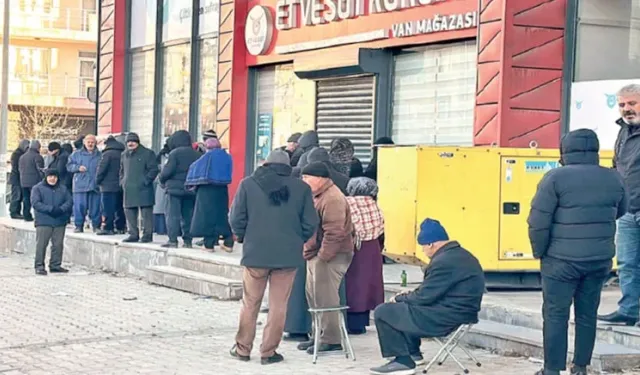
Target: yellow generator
481, 195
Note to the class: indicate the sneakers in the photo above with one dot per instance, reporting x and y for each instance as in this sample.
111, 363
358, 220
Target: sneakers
617, 318
275, 358
234, 353
227, 245
58, 270
418, 359
395, 368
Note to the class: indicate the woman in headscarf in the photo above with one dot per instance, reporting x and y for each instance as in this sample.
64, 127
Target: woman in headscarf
365, 284
210, 176
160, 206
341, 153
372, 169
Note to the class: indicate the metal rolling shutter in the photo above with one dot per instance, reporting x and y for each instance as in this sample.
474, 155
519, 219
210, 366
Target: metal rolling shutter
345, 108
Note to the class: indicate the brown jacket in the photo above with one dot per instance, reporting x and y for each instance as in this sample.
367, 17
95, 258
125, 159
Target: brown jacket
335, 233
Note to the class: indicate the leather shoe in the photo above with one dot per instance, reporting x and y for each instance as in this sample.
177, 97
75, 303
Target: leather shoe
305, 345
41, 272
296, 337
131, 239
578, 370
146, 239
326, 348
617, 318
58, 270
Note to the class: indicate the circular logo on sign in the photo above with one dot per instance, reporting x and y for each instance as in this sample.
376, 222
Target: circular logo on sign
258, 30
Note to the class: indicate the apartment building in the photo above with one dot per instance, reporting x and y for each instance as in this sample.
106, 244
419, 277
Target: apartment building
52, 62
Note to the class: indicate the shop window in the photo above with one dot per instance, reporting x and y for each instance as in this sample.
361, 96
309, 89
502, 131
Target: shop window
285, 104
176, 19
141, 103
143, 23
175, 88
209, 17
614, 27
434, 95
208, 89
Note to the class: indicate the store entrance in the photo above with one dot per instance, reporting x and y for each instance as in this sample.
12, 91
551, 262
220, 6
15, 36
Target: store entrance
345, 108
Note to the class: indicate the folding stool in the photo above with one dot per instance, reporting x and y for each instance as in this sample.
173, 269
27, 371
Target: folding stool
448, 345
317, 322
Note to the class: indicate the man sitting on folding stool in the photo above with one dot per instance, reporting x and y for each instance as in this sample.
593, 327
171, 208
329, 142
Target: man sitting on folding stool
450, 296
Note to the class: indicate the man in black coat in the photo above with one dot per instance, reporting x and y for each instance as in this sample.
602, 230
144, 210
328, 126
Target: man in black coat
572, 225
31, 166
138, 170
273, 215
57, 159
450, 295
108, 179
15, 207
173, 177
52, 203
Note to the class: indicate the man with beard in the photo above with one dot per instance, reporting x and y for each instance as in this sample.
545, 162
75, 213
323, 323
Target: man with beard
626, 160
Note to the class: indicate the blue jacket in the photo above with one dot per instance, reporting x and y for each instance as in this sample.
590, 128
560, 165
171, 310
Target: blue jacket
213, 168
84, 182
52, 204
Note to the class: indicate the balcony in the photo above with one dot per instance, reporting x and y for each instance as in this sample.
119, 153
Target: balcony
50, 91
58, 24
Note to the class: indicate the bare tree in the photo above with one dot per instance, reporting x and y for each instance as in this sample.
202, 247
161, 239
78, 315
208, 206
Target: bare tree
47, 123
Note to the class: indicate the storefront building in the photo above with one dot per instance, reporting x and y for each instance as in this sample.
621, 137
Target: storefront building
431, 72
441, 72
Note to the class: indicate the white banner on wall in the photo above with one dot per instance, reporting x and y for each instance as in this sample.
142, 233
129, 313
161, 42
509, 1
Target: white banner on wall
594, 106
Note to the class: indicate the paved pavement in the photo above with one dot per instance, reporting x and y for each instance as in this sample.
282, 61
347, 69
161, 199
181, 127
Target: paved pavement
94, 323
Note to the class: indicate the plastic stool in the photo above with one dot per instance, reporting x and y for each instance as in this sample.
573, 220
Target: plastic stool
316, 314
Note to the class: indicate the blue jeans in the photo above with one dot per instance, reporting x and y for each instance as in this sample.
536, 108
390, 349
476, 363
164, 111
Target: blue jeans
628, 253
83, 203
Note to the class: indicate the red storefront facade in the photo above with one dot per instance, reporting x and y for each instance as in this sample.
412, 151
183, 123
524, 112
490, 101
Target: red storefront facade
519, 58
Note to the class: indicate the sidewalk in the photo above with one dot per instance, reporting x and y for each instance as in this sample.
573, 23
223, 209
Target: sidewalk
95, 323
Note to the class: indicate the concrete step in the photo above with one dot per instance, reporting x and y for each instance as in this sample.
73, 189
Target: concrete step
217, 264
607, 333
195, 282
521, 341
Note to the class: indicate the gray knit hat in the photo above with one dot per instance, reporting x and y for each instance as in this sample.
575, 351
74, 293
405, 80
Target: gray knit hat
278, 157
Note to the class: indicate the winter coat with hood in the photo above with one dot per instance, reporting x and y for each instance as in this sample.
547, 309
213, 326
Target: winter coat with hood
14, 177
138, 170
574, 211
274, 215
84, 182
182, 155
31, 166
307, 142
108, 176
59, 163
52, 204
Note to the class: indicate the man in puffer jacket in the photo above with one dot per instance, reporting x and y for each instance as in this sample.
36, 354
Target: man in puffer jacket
108, 179
173, 177
83, 163
31, 166
572, 225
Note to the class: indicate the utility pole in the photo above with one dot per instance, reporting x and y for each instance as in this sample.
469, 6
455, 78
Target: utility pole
4, 110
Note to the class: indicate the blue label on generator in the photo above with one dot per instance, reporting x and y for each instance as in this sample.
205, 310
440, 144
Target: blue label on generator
539, 166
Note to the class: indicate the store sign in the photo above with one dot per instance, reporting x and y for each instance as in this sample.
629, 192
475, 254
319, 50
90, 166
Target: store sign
435, 24
317, 12
258, 30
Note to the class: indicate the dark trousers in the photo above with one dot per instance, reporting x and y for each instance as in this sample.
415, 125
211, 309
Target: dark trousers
15, 207
44, 235
84, 203
113, 211
26, 202
147, 221
398, 336
563, 283
179, 216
